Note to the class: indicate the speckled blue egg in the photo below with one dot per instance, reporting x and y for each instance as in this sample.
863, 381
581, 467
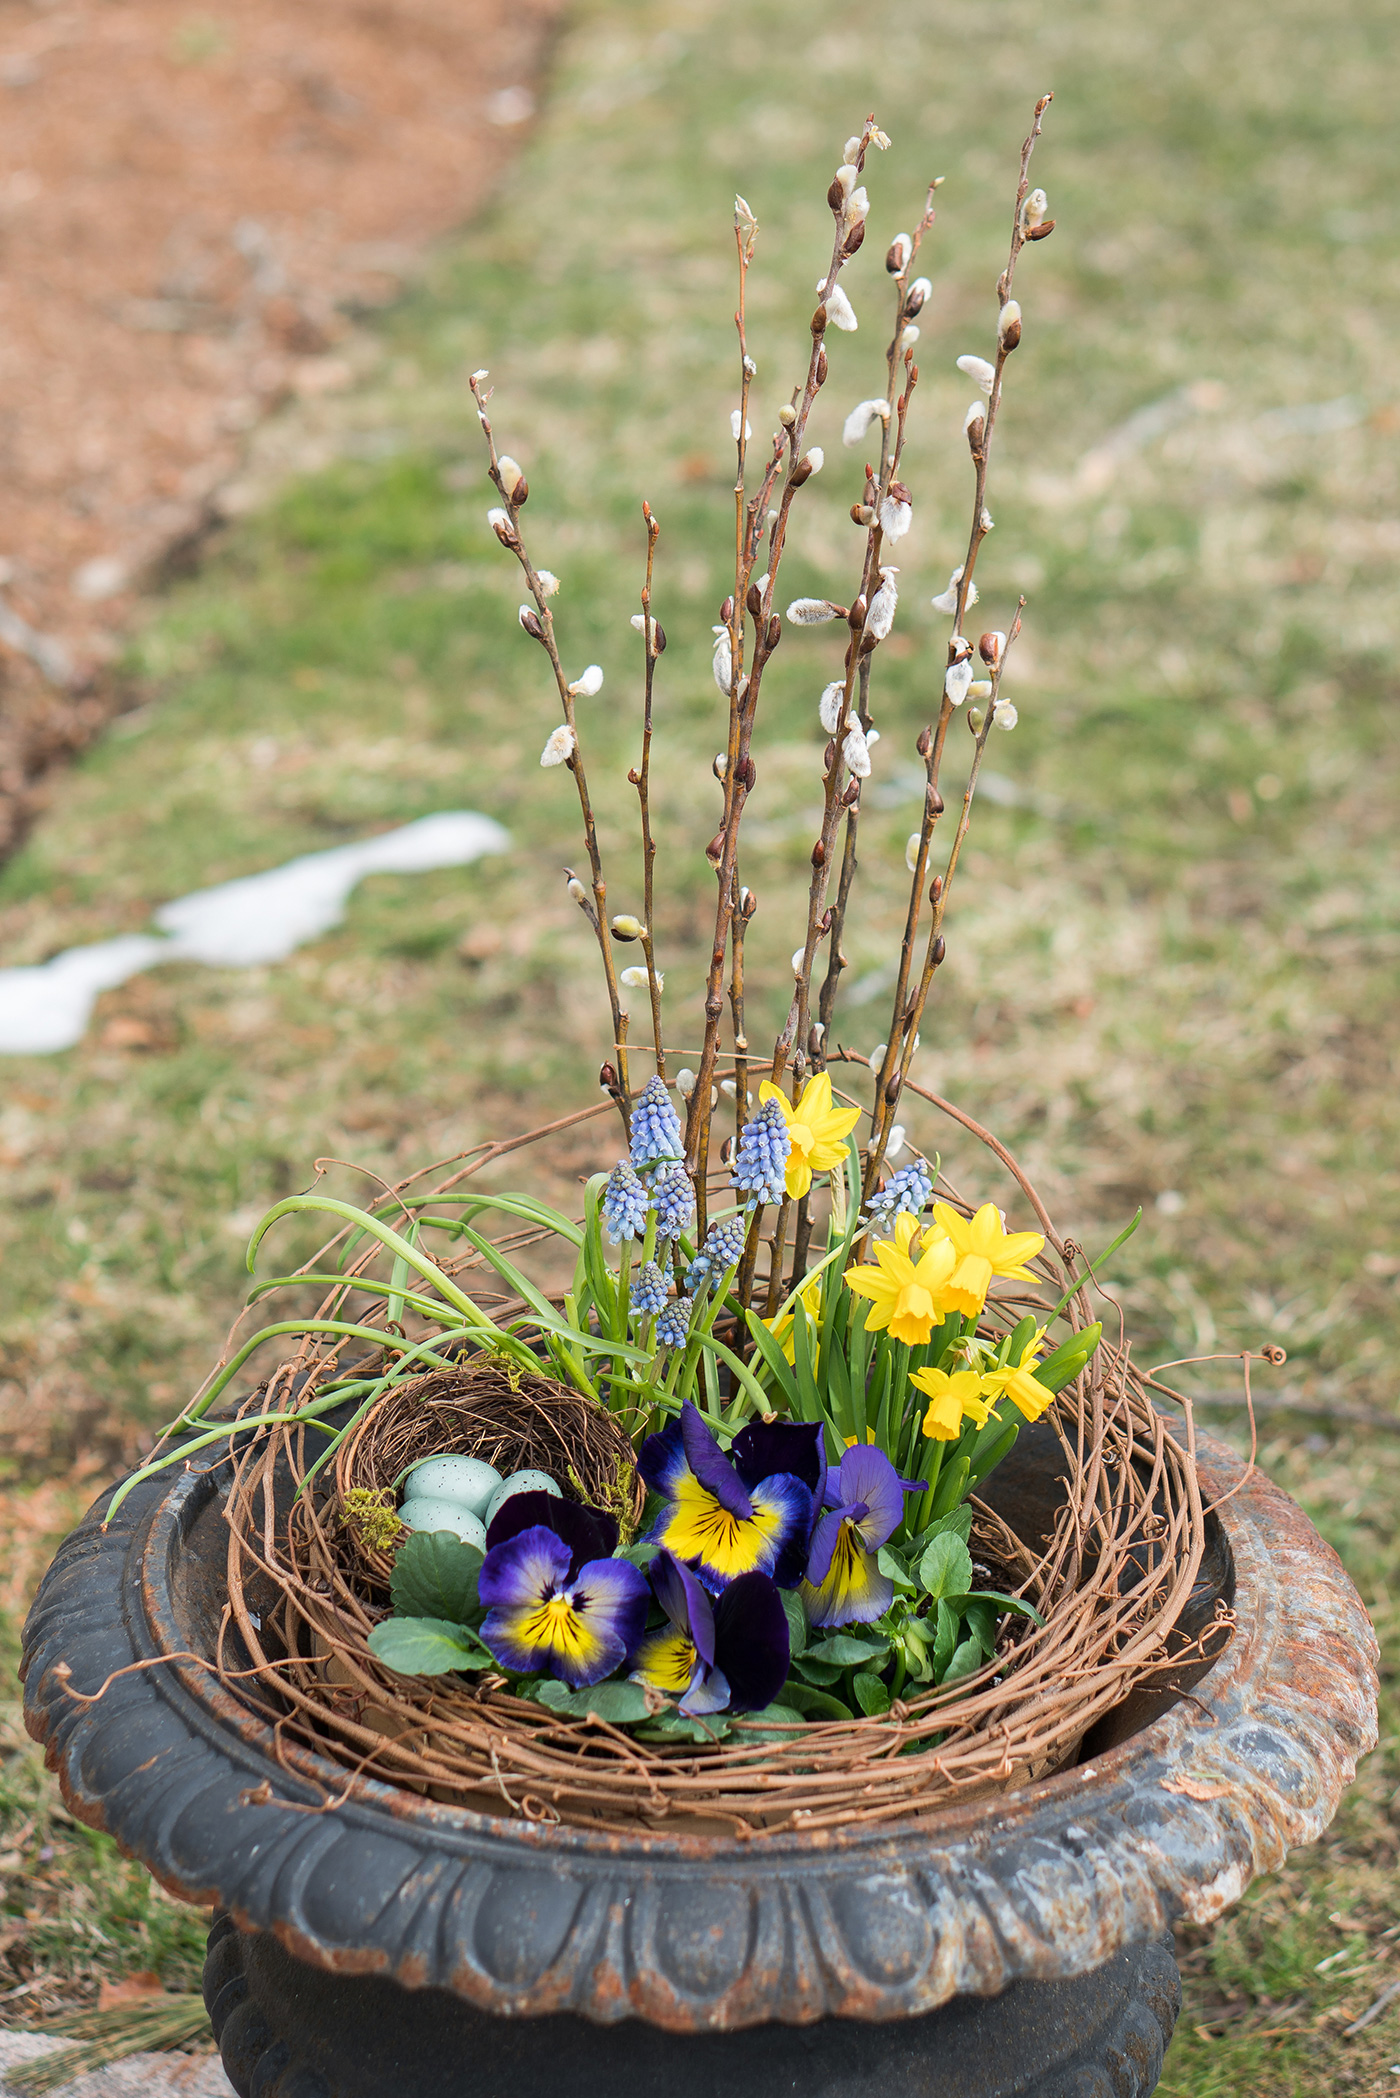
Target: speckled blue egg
420, 1513
521, 1482
468, 1482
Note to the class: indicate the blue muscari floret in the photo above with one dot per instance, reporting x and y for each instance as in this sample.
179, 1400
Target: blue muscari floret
909, 1189
649, 1290
760, 1163
674, 1323
625, 1204
673, 1199
656, 1129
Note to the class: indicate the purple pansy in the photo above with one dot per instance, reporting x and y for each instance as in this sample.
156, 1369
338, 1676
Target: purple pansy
730, 1655
864, 1497
748, 1512
544, 1615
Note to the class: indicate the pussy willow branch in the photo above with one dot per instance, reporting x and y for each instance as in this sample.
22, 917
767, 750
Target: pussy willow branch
836, 961
906, 1013
739, 768
653, 641
597, 915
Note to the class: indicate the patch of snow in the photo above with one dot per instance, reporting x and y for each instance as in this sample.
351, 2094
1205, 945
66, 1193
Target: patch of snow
235, 925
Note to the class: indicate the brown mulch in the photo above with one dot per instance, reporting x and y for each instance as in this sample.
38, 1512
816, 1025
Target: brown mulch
194, 202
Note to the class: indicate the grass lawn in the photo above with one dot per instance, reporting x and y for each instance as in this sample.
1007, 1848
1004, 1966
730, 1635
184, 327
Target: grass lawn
1171, 968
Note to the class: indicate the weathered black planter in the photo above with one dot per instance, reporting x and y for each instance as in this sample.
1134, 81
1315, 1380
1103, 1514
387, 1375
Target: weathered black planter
1008, 1946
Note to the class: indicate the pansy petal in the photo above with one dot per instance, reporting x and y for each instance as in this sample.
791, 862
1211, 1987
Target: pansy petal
661, 1459
710, 1465
525, 1569
666, 1659
765, 1447
685, 1603
867, 1475
613, 1595
720, 1546
752, 1643
823, 1544
854, 1590
708, 1692
588, 1532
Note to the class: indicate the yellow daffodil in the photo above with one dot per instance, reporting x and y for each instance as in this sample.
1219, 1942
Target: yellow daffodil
781, 1326
817, 1129
1016, 1380
984, 1248
909, 1296
956, 1398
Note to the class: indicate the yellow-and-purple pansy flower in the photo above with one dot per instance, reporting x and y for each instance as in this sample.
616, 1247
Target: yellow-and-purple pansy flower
726, 1655
748, 1512
865, 1500
548, 1615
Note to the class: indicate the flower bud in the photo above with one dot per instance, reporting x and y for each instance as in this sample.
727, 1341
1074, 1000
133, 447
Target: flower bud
560, 747
626, 927
714, 851
832, 706
720, 765
499, 521
907, 338
900, 250
1039, 232
750, 368
975, 423
592, 681
736, 422
911, 849
685, 1082
845, 180
813, 611
978, 368
877, 1055
821, 366
744, 219
639, 979
479, 378
838, 308
549, 584
854, 238
1005, 715
989, 648
856, 752
787, 415
799, 958
980, 688
530, 620
850, 154
1034, 209
957, 681
509, 470
959, 648
576, 889
1009, 325
975, 719
914, 298
862, 514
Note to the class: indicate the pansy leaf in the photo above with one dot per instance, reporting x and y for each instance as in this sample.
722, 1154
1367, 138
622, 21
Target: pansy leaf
946, 1567
893, 1567
1005, 1602
435, 1575
426, 1646
675, 1726
967, 1659
822, 1673
618, 1703
816, 1704
640, 1554
871, 1694
956, 1523
846, 1651
981, 1622
797, 1622
783, 1715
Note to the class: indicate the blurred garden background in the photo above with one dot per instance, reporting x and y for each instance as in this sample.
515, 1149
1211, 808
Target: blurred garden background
1172, 966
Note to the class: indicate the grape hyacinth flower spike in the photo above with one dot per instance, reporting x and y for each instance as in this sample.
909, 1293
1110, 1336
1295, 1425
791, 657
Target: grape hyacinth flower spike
722, 1250
748, 1512
673, 1199
649, 1291
865, 1500
729, 1655
625, 1203
905, 1194
673, 1323
656, 1129
760, 1161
